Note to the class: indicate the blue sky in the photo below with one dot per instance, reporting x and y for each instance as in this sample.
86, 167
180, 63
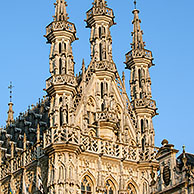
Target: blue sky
168, 32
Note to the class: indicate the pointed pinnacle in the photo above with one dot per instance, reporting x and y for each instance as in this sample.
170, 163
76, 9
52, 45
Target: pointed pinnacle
60, 11
135, 4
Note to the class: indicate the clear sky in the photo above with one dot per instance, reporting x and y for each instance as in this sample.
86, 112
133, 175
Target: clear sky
168, 31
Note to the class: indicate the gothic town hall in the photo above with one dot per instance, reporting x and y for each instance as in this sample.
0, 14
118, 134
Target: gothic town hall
87, 136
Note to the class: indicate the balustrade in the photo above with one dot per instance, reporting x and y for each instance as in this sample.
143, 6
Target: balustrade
99, 11
138, 54
60, 80
141, 103
60, 25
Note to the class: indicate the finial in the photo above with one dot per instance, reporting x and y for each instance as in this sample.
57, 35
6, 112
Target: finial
183, 148
83, 64
11, 92
135, 4
10, 104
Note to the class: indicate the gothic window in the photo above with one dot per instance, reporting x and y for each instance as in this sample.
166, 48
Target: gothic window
131, 189
60, 66
109, 187
106, 87
65, 67
142, 126
104, 30
139, 75
70, 172
61, 173
65, 46
102, 90
100, 32
61, 116
143, 144
86, 186
140, 95
60, 99
100, 47
102, 106
59, 47
67, 114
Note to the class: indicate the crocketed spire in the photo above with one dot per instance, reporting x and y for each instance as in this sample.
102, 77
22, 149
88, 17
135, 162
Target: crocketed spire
137, 33
60, 11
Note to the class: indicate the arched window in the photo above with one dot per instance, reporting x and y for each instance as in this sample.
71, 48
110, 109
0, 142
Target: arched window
104, 30
142, 126
140, 95
67, 114
61, 116
61, 173
110, 189
60, 99
100, 32
131, 189
139, 75
143, 144
65, 46
102, 106
86, 185
102, 90
65, 66
106, 87
60, 66
100, 51
59, 47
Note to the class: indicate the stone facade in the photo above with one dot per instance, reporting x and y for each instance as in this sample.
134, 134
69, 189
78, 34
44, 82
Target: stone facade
87, 136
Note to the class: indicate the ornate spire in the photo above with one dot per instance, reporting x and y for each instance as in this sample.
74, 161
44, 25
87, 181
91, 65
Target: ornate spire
137, 33
60, 11
10, 111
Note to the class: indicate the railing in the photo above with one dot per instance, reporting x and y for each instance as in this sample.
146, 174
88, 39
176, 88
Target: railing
60, 25
70, 135
138, 54
60, 80
105, 65
64, 134
141, 103
106, 116
100, 11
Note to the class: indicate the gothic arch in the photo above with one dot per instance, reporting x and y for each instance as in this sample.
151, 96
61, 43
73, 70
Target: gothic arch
110, 187
87, 184
90, 175
111, 178
134, 184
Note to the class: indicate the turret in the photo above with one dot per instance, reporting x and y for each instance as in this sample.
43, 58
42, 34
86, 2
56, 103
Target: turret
100, 18
61, 85
139, 60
